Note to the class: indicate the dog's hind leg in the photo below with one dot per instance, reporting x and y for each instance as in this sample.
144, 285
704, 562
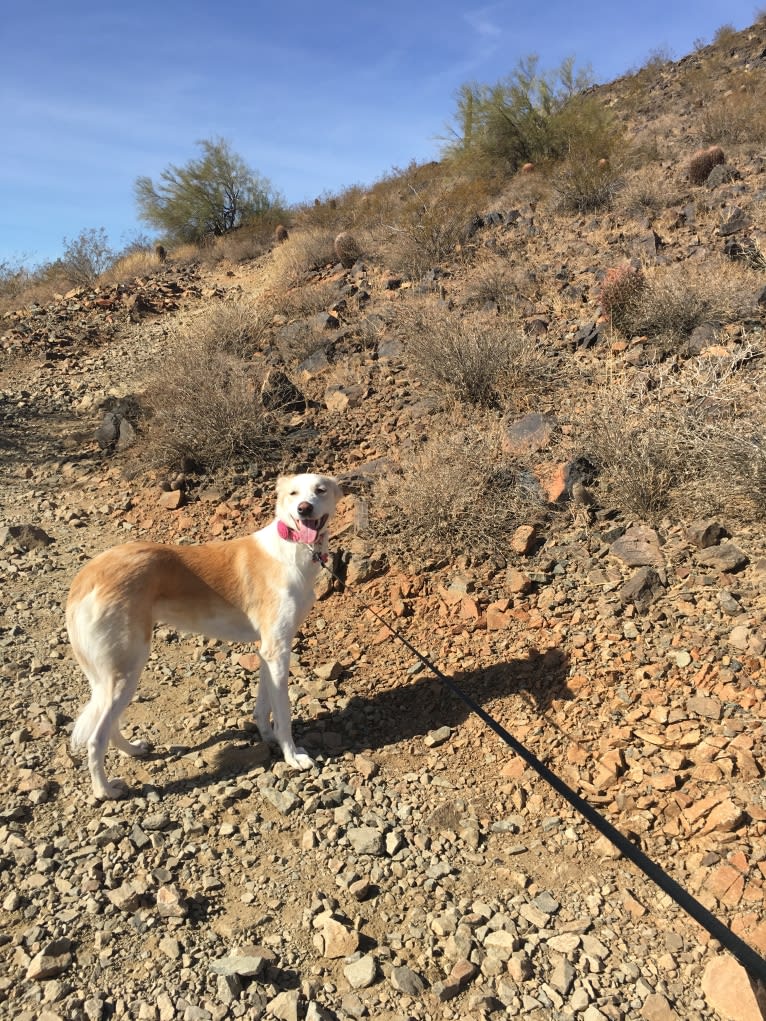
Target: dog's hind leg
113, 675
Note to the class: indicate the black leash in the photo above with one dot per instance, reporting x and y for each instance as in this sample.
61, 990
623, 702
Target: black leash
753, 963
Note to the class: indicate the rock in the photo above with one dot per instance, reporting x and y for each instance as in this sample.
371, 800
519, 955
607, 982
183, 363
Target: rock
643, 589
279, 393
434, 738
170, 903
725, 557
171, 499
247, 964
284, 1006
24, 537
524, 539
705, 533
562, 976
639, 546
366, 840
362, 973
705, 705
728, 990
340, 397
736, 220
285, 802
339, 940
528, 434
54, 959
405, 980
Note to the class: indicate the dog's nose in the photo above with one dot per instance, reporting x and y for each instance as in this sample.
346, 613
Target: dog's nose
305, 508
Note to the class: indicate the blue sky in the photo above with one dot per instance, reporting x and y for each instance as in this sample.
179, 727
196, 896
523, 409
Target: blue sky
313, 96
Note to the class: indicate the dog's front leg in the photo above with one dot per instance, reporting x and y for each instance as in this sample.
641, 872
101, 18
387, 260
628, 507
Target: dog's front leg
273, 699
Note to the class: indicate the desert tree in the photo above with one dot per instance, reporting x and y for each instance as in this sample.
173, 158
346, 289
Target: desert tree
529, 116
210, 195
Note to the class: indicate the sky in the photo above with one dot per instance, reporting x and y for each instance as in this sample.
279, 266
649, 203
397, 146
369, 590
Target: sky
315, 97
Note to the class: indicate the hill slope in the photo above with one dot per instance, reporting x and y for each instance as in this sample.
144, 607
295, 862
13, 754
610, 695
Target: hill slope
529, 517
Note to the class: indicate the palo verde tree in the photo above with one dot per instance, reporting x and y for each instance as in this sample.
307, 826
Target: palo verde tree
207, 196
529, 116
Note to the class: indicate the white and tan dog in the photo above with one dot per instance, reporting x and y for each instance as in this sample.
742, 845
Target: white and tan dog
260, 586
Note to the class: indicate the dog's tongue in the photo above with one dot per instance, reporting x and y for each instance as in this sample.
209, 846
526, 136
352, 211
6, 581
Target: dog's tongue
306, 533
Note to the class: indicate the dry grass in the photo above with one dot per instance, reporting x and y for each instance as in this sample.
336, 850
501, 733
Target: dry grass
304, 252
458, 494
136, 264
478, 358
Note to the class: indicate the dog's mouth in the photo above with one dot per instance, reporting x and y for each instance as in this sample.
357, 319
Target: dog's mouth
307, 529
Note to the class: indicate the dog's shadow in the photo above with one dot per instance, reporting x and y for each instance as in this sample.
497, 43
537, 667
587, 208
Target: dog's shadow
411, 711
398, 714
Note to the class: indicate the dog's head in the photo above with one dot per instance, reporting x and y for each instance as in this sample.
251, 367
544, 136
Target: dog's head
305, 504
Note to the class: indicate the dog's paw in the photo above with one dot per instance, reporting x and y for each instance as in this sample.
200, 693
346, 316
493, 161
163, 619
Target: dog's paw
298, 758
137, 748
111, 791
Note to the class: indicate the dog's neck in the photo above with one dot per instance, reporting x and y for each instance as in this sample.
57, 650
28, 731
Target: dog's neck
318, 549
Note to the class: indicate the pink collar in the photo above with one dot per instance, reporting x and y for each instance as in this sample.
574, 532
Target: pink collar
292, 535
285, 532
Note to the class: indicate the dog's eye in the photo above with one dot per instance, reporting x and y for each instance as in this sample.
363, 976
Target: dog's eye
321, 489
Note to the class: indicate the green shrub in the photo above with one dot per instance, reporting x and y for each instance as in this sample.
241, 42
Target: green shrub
530, 117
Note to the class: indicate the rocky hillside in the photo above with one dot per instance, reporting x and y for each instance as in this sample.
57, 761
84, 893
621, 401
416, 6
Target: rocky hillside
572, 530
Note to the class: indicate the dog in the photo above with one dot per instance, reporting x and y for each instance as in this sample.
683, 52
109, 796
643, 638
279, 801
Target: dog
260, 586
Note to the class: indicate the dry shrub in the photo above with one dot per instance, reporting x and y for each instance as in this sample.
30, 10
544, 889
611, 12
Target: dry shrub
307, 300
479, 359
240, 327
586, 182
646, 192
202, 407
738, 117
433, 226
687, 443
637, 450
679, 298
304, 252
494, 280
21, 286
458, 493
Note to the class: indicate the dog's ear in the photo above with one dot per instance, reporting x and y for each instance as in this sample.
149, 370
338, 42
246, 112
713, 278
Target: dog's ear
337, 488
281, 486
